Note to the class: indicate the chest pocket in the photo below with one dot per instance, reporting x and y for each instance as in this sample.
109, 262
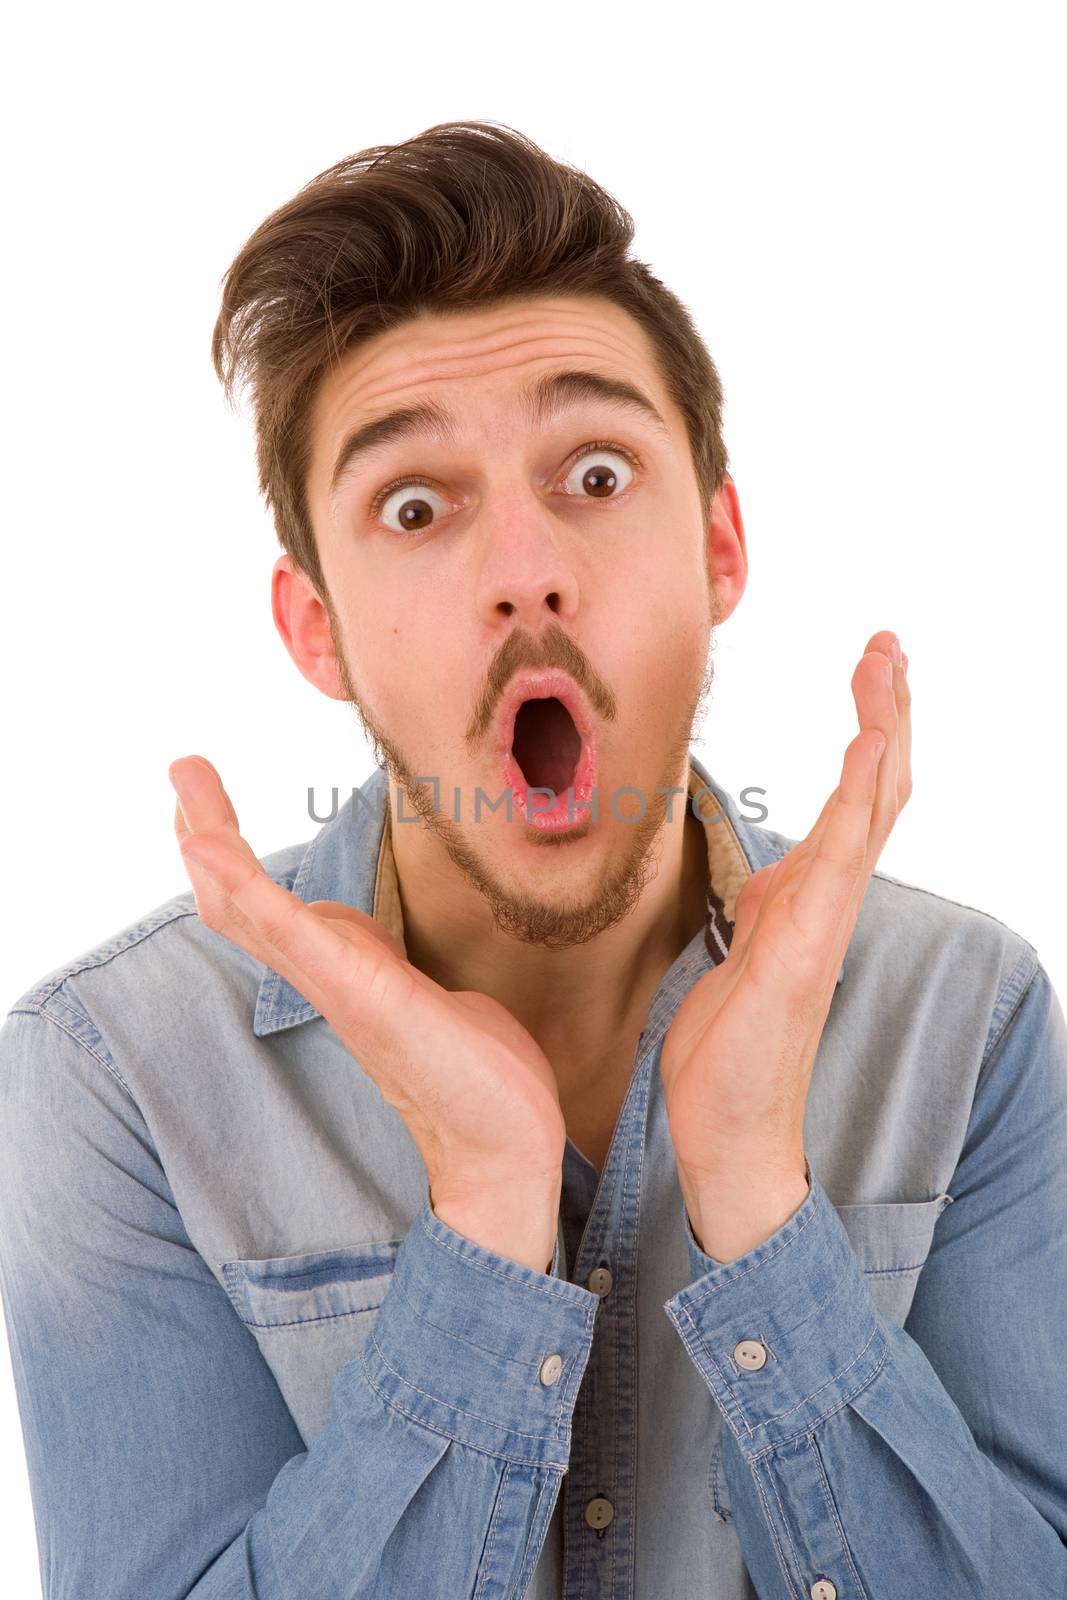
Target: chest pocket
891, 1241
310, 1314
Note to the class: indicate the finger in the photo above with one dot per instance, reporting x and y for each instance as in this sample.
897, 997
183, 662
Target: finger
203, 807
204, 801
888, 644
761, 889
317, 950
902, 690
207, 811
351, 978
881, 643
750, 900
876, 709
204, 888
821, 820
881, 707
181, 827
214, 850
826, 901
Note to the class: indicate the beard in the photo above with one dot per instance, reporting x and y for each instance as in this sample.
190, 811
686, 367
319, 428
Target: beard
560, 924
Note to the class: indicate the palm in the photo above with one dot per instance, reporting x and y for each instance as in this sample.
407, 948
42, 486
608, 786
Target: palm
731, 1014
459, 1068
736, 1063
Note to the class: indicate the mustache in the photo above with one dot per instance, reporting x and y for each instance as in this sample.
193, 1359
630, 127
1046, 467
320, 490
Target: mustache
553, 647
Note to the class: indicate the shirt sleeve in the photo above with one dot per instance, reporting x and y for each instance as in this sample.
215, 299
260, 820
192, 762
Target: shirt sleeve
162, 1458
877, 1462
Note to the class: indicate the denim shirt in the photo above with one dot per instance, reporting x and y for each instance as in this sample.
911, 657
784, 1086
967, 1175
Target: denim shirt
252, 1364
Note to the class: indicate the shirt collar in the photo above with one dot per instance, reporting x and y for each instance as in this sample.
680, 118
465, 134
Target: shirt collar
351, 859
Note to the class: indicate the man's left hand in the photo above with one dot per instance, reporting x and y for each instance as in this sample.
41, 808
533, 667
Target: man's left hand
737, 1060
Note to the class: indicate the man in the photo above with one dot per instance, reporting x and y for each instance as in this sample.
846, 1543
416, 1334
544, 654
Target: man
443, 1207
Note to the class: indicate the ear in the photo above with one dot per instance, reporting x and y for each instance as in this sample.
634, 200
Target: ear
301, 618
727, 556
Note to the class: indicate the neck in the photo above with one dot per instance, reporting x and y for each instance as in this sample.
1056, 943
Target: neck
576, 1002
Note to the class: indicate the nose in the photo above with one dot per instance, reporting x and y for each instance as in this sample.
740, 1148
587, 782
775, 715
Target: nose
525, 576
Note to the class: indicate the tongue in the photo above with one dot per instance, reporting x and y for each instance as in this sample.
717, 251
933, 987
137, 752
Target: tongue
546, 744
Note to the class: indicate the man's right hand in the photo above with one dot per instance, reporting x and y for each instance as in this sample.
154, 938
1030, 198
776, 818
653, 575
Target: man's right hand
477, 1094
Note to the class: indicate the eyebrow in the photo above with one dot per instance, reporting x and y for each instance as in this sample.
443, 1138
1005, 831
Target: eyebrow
541, 402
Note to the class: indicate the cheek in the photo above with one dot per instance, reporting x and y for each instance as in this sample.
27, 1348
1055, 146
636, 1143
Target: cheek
659, 606
415, 680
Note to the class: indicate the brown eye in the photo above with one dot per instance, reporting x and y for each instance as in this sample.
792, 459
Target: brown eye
413, 507
599, 474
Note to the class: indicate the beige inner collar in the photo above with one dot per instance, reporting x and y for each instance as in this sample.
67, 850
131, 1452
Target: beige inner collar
728, 866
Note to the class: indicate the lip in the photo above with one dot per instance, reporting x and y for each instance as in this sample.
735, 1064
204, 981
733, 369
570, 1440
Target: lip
545, 684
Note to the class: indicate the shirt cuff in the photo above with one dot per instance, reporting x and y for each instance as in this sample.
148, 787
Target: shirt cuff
787, 1333
479, 1347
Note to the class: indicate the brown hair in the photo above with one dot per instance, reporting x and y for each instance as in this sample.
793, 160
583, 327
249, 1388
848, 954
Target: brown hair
463, 215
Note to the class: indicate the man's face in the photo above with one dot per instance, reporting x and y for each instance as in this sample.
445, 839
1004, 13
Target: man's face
564, 539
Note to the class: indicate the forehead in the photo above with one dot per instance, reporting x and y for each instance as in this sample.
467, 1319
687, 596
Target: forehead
477, 363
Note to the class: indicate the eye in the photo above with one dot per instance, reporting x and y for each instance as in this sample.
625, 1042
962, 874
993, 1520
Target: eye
414, 511
601, 472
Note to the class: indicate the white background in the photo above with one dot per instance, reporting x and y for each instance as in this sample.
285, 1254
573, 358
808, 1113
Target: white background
862, 207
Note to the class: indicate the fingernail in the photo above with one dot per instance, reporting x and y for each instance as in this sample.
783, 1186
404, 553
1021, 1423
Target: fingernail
889, 674
894, 650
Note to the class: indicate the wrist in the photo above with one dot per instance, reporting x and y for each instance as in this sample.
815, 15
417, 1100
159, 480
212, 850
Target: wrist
729, 1221
521, 1225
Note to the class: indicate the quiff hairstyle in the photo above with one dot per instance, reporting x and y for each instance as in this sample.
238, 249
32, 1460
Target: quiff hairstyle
460, 217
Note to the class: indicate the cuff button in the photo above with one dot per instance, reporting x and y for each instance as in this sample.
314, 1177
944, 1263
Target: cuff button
751, 1355
551, 1367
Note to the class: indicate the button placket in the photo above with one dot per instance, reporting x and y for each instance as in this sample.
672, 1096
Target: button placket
600, 1281
599, 1512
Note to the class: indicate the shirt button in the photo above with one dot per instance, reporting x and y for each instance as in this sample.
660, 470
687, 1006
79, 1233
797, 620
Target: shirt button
823, 1589
551, 1367
751, 1355
599, 1512
600, 1281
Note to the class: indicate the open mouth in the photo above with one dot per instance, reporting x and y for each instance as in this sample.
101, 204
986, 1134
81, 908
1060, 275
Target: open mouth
546, 744
545, 739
